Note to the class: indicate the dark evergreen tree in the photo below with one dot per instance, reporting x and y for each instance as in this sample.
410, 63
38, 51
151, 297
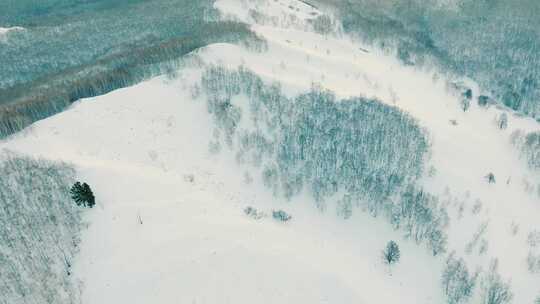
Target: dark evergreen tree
465, 104
490, 178
502, 121
483, 100
466, 100
82, 195
391, 254
468, 94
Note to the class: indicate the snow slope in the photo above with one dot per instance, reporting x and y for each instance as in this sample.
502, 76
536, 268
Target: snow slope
195, 245
462, 154
169, 226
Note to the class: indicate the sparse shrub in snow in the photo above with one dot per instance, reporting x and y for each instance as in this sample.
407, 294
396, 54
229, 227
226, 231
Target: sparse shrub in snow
82, 195
528, 187
391, 253
477, 207
537, 301
494, 290
483, 246
323, 24
422, 218
477, 238
458, 284
529, 147
461, 210
214, 147
432, 171
502, 121
533, 239
533, 262
284, 20
465, 104
514, 228
189, 178
195, 91
253, 213
281, 215
533, 259
247, 178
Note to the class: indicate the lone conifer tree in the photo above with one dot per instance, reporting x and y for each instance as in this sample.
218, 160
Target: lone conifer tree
391, 254
82, 195
490, 178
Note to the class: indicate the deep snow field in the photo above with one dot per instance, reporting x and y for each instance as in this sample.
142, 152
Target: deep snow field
170, 227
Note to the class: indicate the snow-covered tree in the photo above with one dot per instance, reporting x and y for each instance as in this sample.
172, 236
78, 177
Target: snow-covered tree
458, 284
494, 290
391, 253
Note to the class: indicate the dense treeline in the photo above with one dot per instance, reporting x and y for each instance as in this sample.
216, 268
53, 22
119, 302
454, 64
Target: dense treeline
364, 152
45, 68
493, 42
39, 233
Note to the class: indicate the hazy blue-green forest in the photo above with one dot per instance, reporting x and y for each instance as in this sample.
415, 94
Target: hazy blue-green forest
69, 50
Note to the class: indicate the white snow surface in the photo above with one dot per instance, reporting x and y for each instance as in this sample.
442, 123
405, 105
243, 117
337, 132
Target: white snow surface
159, 236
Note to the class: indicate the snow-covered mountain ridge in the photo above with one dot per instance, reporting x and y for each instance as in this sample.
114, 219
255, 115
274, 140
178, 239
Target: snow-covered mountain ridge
172, 185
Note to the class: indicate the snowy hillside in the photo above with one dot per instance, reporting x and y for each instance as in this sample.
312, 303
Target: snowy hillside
359, 148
